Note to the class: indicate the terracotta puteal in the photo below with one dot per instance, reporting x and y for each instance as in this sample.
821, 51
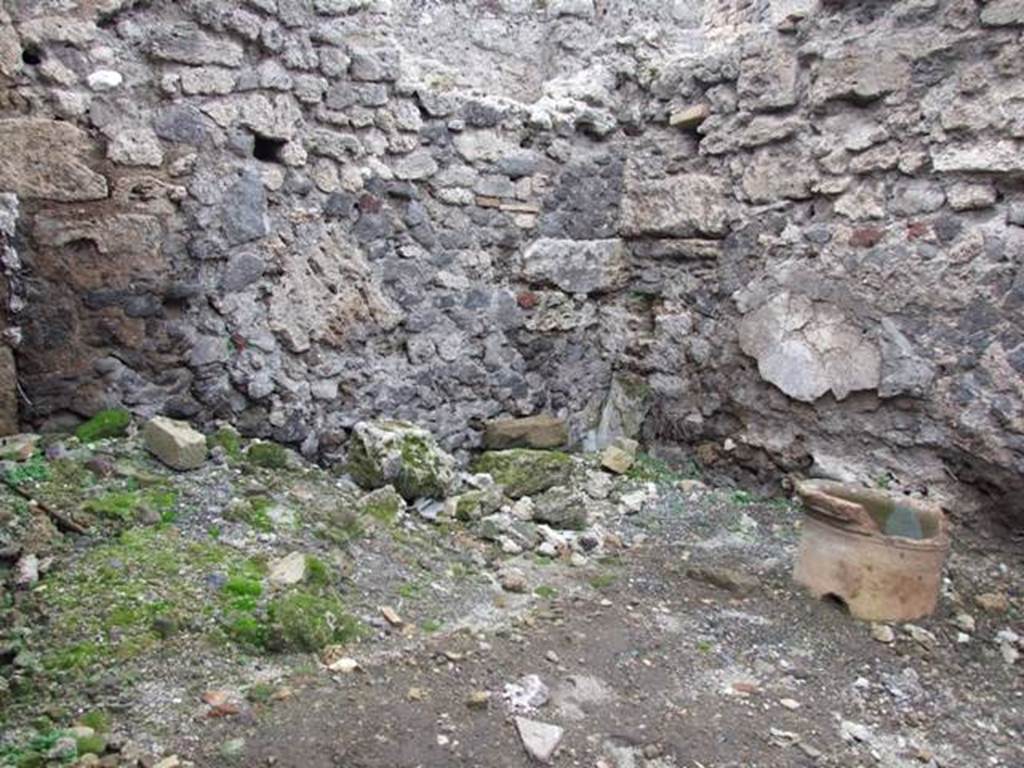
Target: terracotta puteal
880, 554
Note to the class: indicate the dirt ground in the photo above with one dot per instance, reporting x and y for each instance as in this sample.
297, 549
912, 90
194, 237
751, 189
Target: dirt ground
658, 668
668, 635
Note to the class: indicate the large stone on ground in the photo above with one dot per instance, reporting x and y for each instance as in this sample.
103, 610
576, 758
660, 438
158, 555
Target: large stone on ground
540, 740
175, 443
403, 455
540, 431
287, 571
620, 456
47, 160
562, 508
524, 472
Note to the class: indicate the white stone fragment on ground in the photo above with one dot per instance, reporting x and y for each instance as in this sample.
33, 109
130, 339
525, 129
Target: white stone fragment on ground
540, 740
287, 571
27, 571
619, 456
344, 665
921, 636
883, 633
175, 443
964, 622
850, 731
526, 695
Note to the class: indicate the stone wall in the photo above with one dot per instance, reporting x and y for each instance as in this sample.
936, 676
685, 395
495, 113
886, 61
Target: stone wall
776, 236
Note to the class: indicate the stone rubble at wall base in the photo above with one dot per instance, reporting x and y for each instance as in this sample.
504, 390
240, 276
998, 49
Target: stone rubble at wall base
798, 224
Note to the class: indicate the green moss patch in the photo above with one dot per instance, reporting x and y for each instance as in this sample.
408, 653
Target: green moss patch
103, 608
400, 454
33, 471
304, 621
228, 439
384, 505
255, 512
267, 455
524, 472
124, 505
105, 424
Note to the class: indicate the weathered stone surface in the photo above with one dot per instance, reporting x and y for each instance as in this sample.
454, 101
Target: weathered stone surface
48, 160
524, 472
807, 348
136, 146
245, 210
620, 456
540, 740
8, 393
327, 294
576, 266
623, 413
971, 197
860, 77
768, 78
904, 369
10, 51
208, 80
991, 156
175, 443
1003, 13
778, 175
415, 166
275, 117
680, 206
403, 455
187, 44
287, 571
689, 117
336, 221
530, 432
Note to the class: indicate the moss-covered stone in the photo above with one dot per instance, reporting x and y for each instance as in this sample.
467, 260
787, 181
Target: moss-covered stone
304, 621
227, 439
267, 455
403, 455
475, 504
254, 511
91, 745
524, 472
384, 505
113, 422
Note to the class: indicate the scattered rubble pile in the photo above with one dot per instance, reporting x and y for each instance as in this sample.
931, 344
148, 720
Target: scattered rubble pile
276, 577
780, 234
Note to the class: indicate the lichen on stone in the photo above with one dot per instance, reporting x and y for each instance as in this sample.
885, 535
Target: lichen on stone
403, 455
524, 472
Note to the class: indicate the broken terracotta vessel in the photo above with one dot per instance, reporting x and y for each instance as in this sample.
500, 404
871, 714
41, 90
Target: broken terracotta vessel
880, 554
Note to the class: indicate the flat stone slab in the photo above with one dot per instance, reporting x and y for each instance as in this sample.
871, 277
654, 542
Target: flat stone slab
287, 571
531, 432
540, 740
175, 443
